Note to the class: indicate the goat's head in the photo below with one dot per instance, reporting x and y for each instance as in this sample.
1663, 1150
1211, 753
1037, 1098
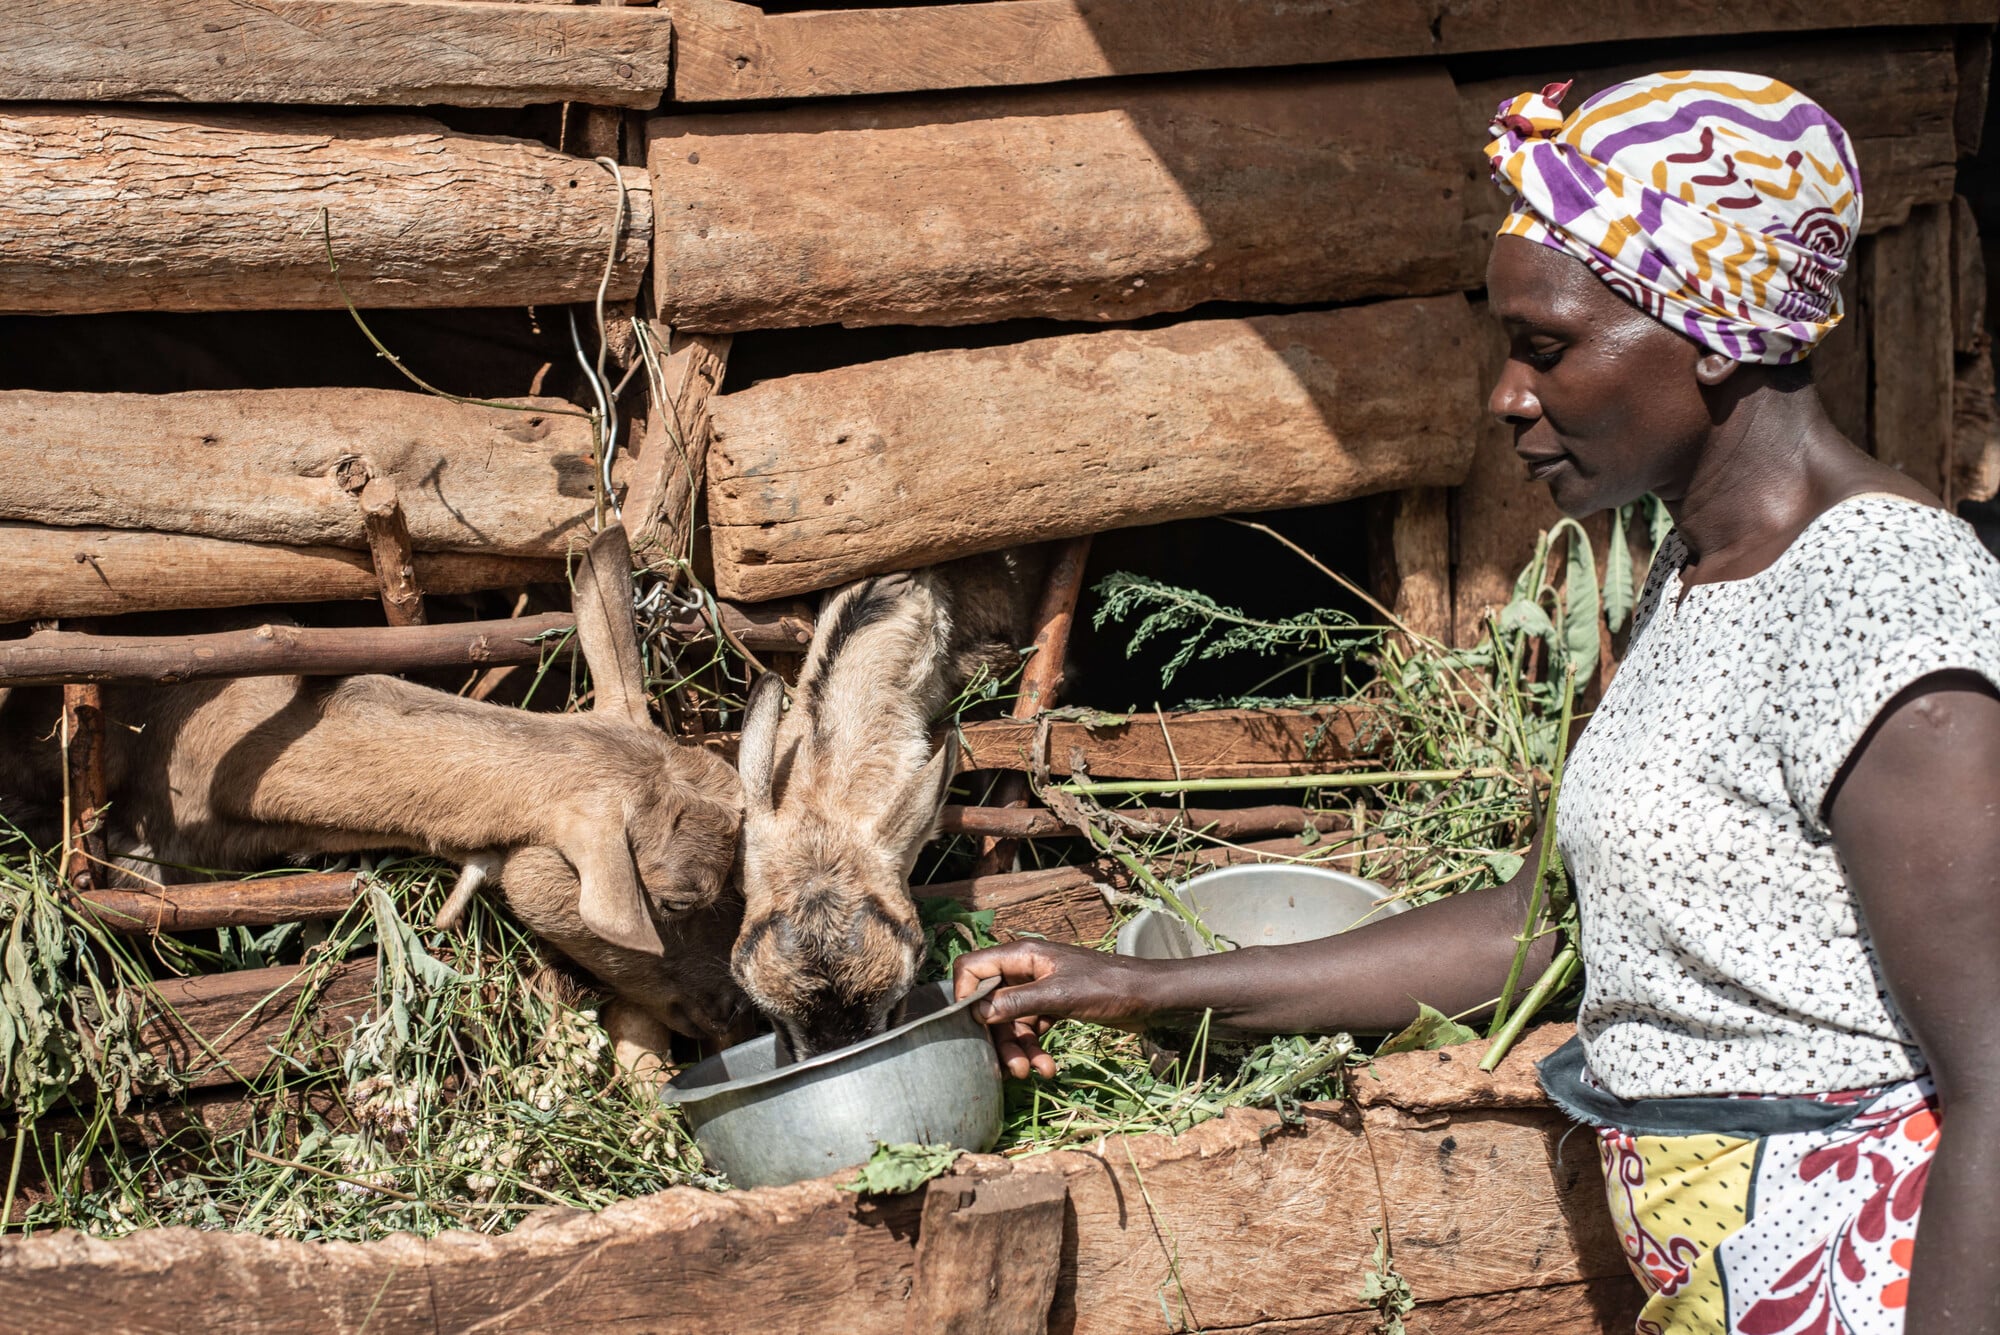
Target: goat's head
840, 795
667, 840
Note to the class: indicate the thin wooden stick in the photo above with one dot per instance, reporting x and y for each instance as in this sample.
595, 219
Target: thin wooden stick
83, 729
1041, 678
51, 658
1356, 779
253, 903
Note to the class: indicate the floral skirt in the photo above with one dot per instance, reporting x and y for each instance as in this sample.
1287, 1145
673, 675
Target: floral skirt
1797, 1216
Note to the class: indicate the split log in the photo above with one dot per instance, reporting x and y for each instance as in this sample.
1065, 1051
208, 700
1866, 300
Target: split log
819, 478
389, 551
273, 466
1087, 204
49, 658
1909, 314
666, 473
84, 783
1241, 1224
726, 51
83, 572
989, 1253
227, 1028
1205, 744
1975, 431
1409, 538
355, 53
209, 210
211, 904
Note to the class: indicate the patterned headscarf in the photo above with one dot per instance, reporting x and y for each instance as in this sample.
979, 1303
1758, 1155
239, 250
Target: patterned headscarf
1721, 204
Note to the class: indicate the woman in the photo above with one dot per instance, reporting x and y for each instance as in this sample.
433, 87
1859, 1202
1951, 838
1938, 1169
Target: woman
1783, 822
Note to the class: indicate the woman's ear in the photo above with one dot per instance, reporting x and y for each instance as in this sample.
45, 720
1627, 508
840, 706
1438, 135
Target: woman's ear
1712, 368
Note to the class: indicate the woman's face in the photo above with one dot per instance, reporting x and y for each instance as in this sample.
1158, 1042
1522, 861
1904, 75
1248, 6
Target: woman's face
1605, 402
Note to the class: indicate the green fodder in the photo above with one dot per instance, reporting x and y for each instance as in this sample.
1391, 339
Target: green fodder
476, 1085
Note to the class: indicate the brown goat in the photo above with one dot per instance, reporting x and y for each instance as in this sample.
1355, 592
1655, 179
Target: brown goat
609, 839
842, 791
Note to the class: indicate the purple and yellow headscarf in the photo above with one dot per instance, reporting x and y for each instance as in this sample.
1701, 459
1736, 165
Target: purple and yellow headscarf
1721, 204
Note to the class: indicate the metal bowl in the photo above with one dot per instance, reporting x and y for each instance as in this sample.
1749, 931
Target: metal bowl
931, 1080
1257, 904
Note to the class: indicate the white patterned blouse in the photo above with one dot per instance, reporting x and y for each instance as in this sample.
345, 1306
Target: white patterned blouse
1723, 949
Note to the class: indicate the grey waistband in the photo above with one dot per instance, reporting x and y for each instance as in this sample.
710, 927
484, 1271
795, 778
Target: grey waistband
1562, 1080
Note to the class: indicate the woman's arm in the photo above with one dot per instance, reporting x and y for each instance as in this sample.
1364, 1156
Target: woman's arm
1916, 817
1452, 954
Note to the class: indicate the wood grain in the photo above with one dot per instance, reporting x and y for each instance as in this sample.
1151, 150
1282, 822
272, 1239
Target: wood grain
820, 478
350, 53
1498, 1217
187, 210
268, 466
212, 904
226, 1028
1090, 204
1909, 313
1193, 744
729, 51
989, 1252
87, 572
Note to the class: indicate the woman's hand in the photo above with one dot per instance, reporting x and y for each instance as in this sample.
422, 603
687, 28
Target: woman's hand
1041, 983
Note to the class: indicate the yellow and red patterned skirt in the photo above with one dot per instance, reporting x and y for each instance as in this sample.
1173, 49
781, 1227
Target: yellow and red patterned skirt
1798, 1218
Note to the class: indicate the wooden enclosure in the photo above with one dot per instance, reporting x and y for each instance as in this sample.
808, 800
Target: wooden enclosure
1025, 271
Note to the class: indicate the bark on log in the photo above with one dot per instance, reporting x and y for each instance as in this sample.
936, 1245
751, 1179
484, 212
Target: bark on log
820, 478
268, 466
727, 51
1909, 312
989, 1253
81, 572
1087, 204
1498, 1214
666, 472
1207, 744
1222, 823
1409, 537
49, 658
211, 904
210, 210
226, 1028
355, 53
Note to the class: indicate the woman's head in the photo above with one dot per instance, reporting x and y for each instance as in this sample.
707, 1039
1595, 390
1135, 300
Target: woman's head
1674, 246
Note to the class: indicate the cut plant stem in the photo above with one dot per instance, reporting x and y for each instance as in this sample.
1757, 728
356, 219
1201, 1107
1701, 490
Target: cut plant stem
1531, 929
1357, 779
1553, 980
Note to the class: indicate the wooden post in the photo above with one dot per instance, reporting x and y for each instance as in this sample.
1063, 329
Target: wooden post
1410, 537
671, 461
1909, 312
1042, 677
989, 1251
389, 549
84, 785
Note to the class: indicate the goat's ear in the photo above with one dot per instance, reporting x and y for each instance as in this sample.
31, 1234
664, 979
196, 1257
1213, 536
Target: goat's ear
912, 821
605, 629
757, 750
612, 903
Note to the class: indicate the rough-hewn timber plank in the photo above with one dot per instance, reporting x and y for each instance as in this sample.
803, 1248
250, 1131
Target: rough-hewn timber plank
351, 53
1093, 203
819, 478
1909, 317
1498, 1219
269, 466
127, 209
88, 572
1895, 93
223, 1029
728, 51
1204, 744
